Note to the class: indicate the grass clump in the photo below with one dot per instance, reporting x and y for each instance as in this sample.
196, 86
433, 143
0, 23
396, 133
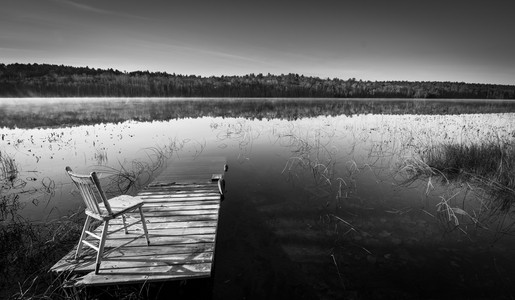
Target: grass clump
488, 160
478, 180
8, 169
27, 250
489, 164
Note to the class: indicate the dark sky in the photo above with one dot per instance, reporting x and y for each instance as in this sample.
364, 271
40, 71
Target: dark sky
471, 41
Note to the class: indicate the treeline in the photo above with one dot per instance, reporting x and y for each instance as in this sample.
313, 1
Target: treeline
44, 80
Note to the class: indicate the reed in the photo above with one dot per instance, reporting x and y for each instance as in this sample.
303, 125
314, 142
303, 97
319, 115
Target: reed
27, 250
490, 164
480, 172
8, 169
128, 178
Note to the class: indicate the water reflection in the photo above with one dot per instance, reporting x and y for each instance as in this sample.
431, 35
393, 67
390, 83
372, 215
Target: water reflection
334, 190
56, 112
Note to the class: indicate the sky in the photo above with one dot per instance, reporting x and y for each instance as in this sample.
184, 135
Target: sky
465, 41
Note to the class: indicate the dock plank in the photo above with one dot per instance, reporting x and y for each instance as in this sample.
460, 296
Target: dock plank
148, 274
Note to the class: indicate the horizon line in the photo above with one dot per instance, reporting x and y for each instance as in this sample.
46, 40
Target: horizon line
252, 73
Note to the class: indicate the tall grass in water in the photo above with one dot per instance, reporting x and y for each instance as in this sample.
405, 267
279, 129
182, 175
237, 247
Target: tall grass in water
482, 171
130, 177
490, 164
9, 202
8, 169
28, 249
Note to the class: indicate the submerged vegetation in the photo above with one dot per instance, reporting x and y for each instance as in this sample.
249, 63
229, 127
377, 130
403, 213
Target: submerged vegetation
490, 164
480, 171
43, 80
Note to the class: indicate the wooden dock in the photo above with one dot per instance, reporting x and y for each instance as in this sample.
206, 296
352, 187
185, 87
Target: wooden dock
181, 208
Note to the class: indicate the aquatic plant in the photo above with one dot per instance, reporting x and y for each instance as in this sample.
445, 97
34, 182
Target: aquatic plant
240, 132
9, 201
28, 249
490, 164
8, 169
101, 156
129, 177
482, 172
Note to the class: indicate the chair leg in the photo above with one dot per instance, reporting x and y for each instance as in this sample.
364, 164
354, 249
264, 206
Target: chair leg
83, 236
125, 224
144, 224
101, 246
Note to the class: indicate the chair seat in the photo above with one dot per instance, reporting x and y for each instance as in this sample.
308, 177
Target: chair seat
120, 205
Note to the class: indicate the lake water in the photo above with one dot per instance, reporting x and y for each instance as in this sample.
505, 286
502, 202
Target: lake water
319, 203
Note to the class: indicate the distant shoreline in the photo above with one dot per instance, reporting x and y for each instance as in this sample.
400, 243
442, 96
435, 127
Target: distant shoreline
54, 81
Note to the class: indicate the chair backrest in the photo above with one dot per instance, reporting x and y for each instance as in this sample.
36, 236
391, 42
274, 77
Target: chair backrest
91, 192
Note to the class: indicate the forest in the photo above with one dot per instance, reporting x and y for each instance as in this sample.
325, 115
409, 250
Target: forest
46, 80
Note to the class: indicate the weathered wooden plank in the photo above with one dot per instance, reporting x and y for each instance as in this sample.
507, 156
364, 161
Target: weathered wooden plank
178, 194
183, 203
146, 274
158, 229
132, 252
151, 250
164, 247
185, 218
182, 199
152, 210
172, 244
179, 188
136, 260
116, 240
168, 195
158, 222
171, 227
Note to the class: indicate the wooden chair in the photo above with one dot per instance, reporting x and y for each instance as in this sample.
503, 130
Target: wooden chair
100, 208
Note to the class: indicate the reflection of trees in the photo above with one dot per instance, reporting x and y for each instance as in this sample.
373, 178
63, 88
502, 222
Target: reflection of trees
112, 111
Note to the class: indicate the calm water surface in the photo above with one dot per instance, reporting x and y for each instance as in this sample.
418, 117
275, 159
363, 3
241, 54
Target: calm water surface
319, 202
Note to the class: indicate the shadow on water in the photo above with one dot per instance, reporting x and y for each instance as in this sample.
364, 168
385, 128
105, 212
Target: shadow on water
250, 262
